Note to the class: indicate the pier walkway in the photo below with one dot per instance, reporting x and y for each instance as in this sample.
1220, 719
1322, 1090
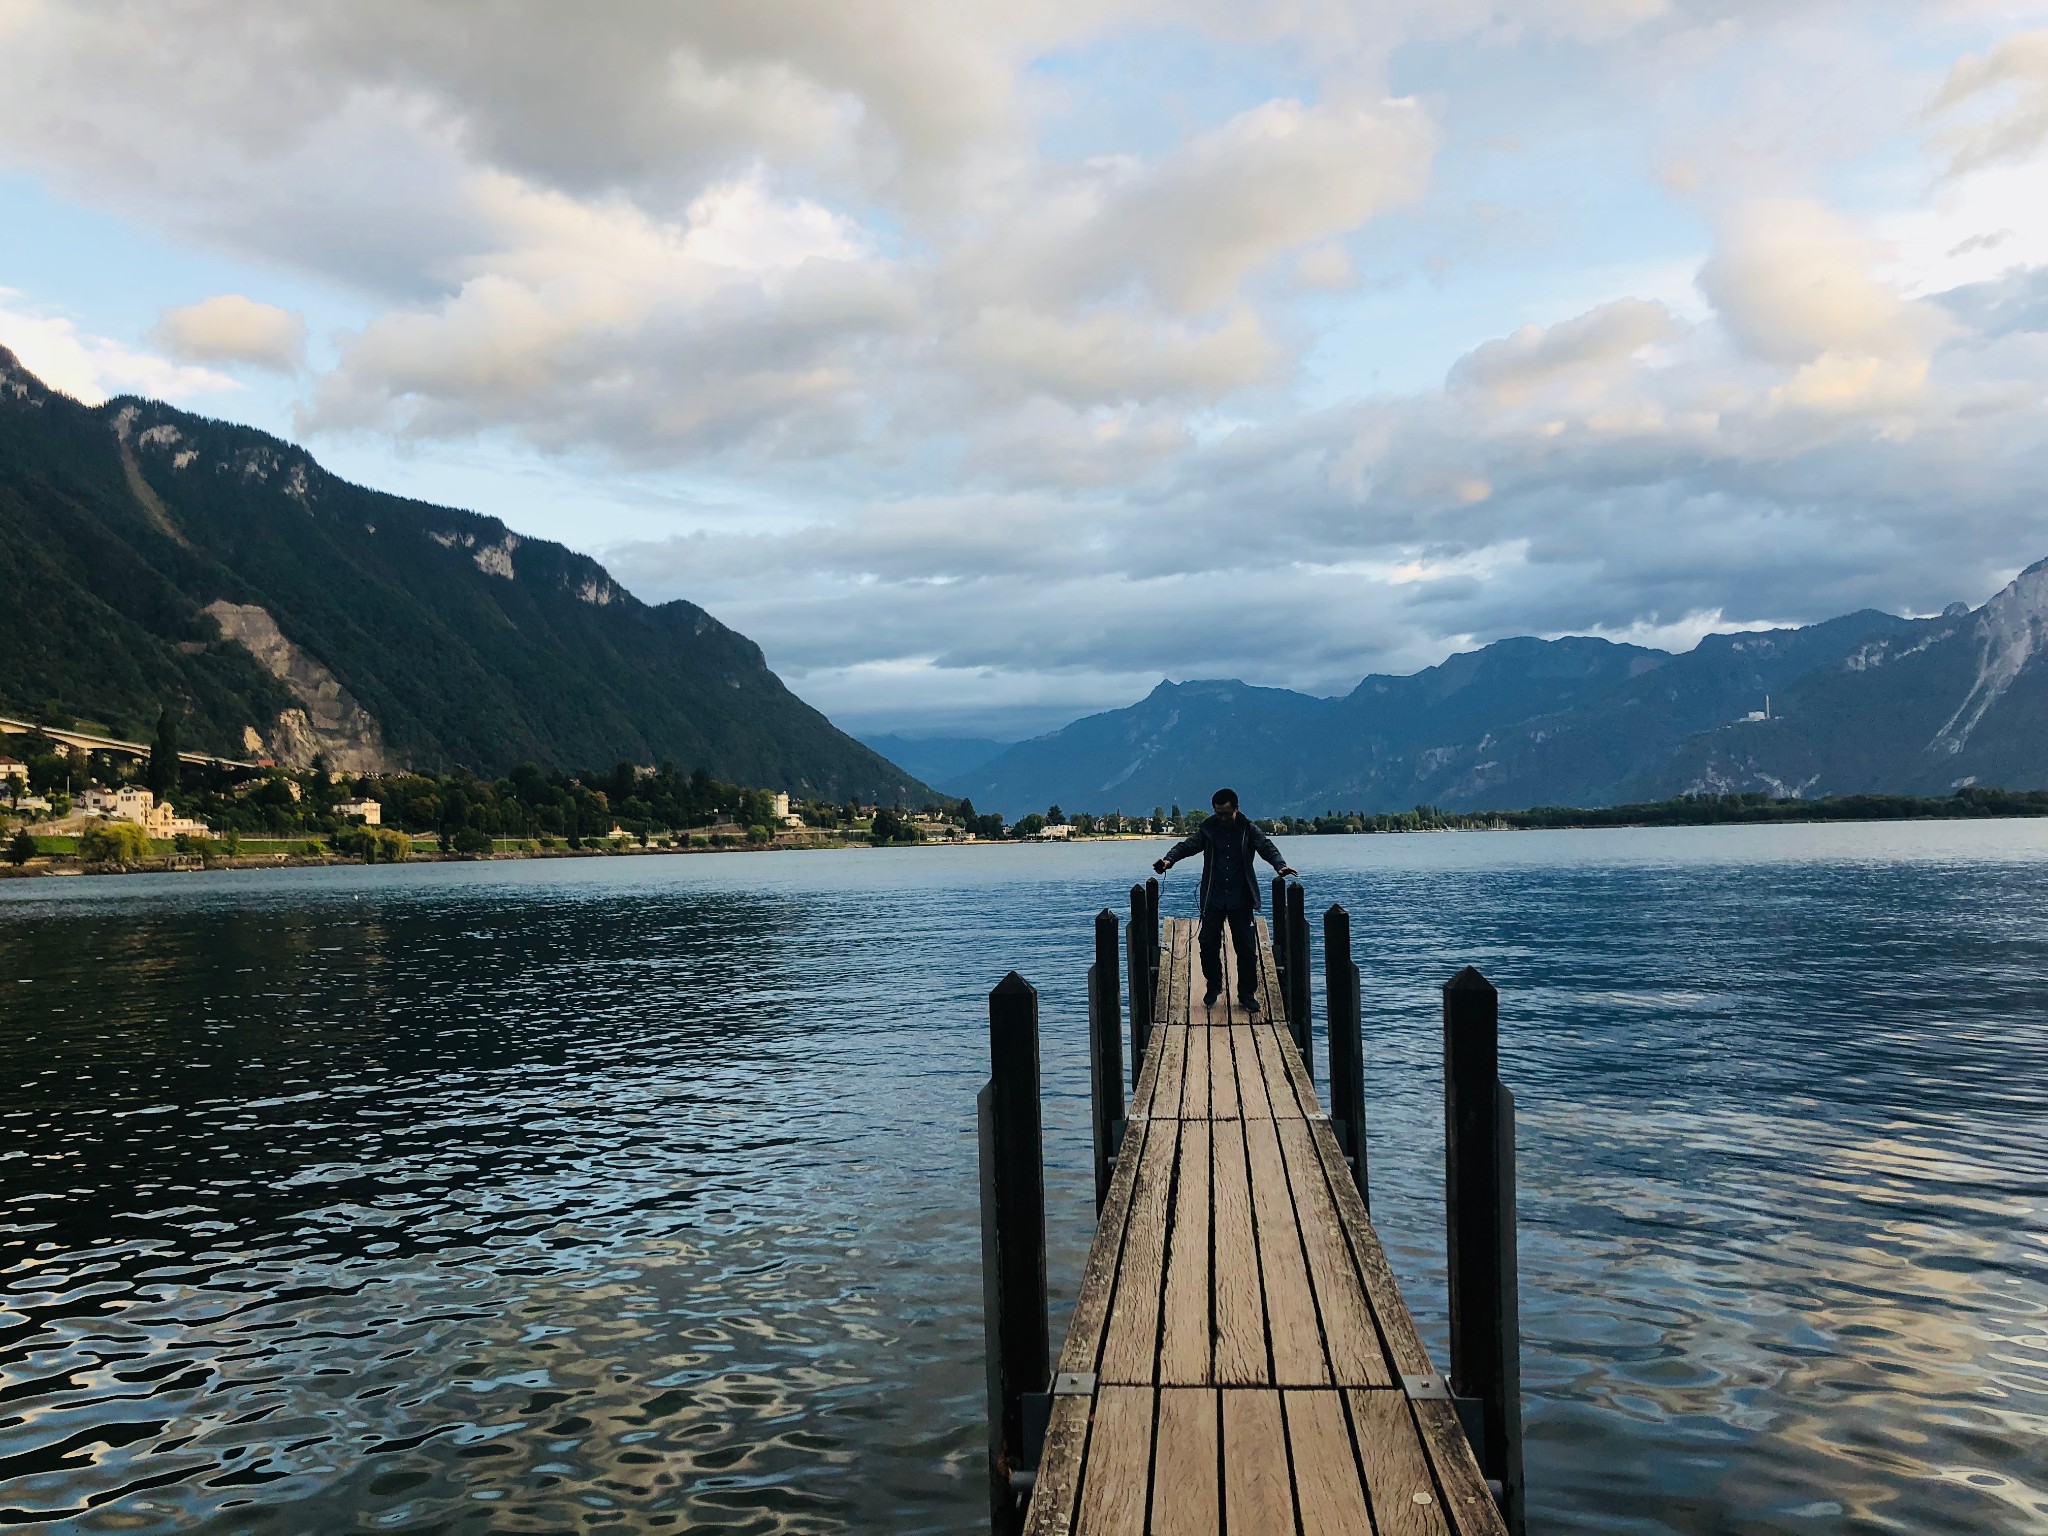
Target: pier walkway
1240, 1358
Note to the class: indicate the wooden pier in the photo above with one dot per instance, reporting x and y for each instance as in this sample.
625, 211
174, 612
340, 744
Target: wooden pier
1240, 1359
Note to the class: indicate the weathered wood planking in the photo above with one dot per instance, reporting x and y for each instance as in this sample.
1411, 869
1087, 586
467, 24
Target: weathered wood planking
1243, 1330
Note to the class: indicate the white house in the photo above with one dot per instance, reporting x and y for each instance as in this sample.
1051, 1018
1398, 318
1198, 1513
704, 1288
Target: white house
14, 770
370, 811
127, 803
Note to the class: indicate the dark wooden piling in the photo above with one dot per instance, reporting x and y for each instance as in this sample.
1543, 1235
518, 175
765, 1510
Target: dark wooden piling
1299, 980
1479, 1216
1016, 1319
1151, 955
1105, 1052
1344, 1023
1281, 953
1144, 982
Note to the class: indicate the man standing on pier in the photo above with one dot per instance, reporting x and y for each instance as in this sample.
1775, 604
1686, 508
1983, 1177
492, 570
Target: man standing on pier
1230, 892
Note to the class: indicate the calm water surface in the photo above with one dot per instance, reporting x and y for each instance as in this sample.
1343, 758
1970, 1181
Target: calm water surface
639, 1194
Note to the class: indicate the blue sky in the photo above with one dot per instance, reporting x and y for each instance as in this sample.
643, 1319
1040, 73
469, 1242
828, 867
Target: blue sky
988, 364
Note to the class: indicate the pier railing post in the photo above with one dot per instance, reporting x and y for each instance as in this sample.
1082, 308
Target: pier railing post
1105, 1052
1144, 974
1016, 1319
1343, 1022
1280, 951
1151, 949
1299, 981
1479, 1217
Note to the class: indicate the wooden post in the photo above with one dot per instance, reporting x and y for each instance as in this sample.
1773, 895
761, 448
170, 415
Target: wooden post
1479, 1217
1144, 975
1151, 949
1105, 1053
1280, 952
1299, 979
1016, 1320
1343, 1022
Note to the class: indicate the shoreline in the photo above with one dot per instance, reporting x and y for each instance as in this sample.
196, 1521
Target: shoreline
64, 866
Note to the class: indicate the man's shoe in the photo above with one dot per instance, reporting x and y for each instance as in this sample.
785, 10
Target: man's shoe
1209, 997
1248, 1004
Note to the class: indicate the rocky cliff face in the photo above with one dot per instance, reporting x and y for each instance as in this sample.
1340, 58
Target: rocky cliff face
328, 722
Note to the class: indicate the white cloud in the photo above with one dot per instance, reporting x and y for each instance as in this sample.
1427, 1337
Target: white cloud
2014, 78
91, 368
230, 328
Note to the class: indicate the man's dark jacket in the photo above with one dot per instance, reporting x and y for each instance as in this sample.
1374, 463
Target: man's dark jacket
1203, 841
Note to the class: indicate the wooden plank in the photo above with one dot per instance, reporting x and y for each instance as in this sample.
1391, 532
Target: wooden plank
1327, 1483
1257, 1494
1185, 1334
1130, 1349
1241, 1358
1292, 1323
1282, 1088
1223, 1100
1115, 1480
1183, 957
1357, 1357
1184, 1491
1269, 977
1194, 1093
1297, 1075
1397, 1478
1057, 1491
1467, 1505
1251, 1076
1172, 1045
1397, 1329
1099, 1278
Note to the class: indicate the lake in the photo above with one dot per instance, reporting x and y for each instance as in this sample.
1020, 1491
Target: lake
639, 1193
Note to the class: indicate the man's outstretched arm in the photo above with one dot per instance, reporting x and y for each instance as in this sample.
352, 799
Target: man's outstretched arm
1268, 850
1186, 848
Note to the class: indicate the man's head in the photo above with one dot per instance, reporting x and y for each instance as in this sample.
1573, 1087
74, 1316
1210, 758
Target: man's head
1224, 802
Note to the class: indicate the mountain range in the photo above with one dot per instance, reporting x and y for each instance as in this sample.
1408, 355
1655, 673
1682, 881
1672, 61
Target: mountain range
1865, 702
151, 557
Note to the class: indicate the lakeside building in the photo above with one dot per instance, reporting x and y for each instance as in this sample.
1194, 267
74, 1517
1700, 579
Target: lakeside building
371, 812
123, 803
164, 822
13, 772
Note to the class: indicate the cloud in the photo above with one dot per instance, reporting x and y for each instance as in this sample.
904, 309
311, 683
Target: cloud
92, 368
1587, 347
2014, 75
229, 328
1792, 281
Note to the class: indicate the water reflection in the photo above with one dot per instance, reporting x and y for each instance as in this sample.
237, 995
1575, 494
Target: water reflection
638, 1195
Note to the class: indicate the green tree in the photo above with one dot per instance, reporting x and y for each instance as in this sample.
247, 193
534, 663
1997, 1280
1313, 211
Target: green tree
1053, 817
21, 849
114, 842
163, 756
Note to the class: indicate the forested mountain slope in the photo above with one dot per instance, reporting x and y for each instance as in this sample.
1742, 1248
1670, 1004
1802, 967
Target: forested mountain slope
149, 556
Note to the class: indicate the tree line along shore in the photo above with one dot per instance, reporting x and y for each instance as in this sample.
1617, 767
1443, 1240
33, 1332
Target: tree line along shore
315, 816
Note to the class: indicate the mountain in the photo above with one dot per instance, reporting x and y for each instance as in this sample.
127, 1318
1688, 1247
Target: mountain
150, 556
1865, 702
933, 758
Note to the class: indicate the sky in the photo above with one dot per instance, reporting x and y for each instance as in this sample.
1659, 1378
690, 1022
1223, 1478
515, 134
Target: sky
987, 364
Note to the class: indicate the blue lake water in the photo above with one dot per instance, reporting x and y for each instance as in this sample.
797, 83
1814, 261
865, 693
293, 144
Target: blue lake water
638, 1194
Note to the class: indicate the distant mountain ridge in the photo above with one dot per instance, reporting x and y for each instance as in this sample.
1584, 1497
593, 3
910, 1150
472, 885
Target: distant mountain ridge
151, 556
1865, 702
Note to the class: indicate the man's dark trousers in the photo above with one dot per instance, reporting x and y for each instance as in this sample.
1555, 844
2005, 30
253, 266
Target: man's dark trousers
1241, 940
